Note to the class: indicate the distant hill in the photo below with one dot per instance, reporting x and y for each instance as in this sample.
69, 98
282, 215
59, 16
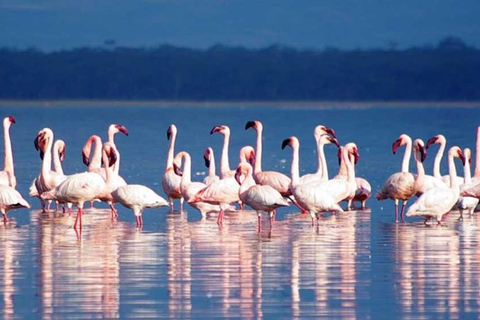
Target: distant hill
448, 71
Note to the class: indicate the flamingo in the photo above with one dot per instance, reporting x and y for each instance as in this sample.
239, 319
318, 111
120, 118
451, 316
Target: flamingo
59, 153
436, 202
260, 198
467, 203
137, 197
322, 170
10, 199
209, 158
7, 176
476, 175
225, 171
313, 200
171, 181
189, 189
363, 189
442, 141
48, 178
87, 186
400, 185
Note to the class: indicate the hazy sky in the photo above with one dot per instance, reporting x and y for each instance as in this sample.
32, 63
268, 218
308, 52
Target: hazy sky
63, 24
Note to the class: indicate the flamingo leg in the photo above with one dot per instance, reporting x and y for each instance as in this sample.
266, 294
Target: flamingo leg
404, 204
171, 205
242, 205
91, 204
364, 204
296, 203
70, 211
49, 204
113, 211
56, 206
426, 220
78, 219
220, 217
259, 228
5, 218
63, 208
181, 204
396, 211
272, 218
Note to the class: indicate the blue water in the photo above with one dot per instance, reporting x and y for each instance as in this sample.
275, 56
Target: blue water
359, 264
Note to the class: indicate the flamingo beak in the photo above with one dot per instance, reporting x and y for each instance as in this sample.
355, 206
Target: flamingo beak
238, 175
86, 161
11, 119
285, 143
113, 158
177, 170
331, 132
215, 129
339, 156
63, 154
36, 142
356, 155
396, 145
334, 141
431, 141
423, 153
461, 156
41, 154
169, 133
122, 129
207, 161
251, 159
250, 124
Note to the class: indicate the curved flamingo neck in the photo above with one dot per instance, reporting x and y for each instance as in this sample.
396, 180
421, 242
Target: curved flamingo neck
406, 156
248, 182
348, 165
96, 161
319, 155
57, 164
8, 150
224, 163
323, 161
452, 171
420, 172
352, 164
295, 170
171, 150
477, 155
258, 152
187, 168
211, 167
47, 157
342, 169
438, 160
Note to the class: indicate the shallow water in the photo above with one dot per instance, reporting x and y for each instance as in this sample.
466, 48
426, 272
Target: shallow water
356, 265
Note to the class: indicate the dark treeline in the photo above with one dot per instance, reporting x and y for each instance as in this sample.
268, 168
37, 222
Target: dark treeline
447, 71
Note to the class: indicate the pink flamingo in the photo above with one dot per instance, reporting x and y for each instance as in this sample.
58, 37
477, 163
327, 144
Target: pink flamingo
225, 171
260, 198
7, 176
467, 203
314, 200
137, 197
442, 141
82, 187
10, 199
436, 202
171, 181
400, 185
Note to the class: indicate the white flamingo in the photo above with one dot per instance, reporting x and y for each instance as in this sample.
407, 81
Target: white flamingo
137, 197
225, 171
442, 141
10, 199
7, 176
313, 200
171, 181
209, 159
189, 189
364, 190
467, 203
400, 185
436, 202
260, 198
87, 186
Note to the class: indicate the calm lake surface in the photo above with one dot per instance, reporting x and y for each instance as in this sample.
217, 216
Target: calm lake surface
355, 265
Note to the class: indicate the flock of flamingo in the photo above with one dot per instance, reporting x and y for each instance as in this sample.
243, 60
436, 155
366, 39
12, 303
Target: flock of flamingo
247, 184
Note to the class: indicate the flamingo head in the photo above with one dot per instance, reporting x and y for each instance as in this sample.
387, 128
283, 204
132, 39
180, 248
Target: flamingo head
402, 140
353, 150
122, 129
177, 170
256, 125
457, 153
242, 171
247, 154
116, 128
291, 142
220, 129
172, 130
42, 139
85, 158
321, 130
8, 121
62, 149
438, 139
419, 146
207, 156
326, 139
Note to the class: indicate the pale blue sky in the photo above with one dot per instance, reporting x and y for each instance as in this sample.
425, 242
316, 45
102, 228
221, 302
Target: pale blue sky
346, 24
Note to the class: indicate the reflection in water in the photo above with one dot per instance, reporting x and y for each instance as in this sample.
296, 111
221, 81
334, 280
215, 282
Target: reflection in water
437, 268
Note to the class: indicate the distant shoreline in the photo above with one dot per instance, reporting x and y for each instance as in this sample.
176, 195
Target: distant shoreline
246, 104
